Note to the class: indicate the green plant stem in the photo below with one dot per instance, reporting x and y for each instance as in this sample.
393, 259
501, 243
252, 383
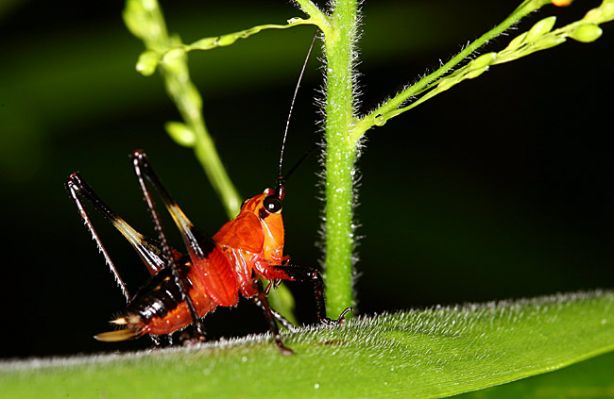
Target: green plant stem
538, 38
188, 101
209, 43
340, 156
207, 155
146, 21
390, 105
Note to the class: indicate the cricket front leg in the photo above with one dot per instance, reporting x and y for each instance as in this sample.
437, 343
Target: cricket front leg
262, 302
312, 275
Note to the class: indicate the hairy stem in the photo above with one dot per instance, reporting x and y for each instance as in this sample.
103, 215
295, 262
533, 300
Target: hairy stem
340, 156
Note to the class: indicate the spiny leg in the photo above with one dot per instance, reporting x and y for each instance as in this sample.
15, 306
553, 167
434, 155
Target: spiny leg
148, 252
145, 172
263, 303
283, 321
302, 273
278, 316
77, 187
146, 249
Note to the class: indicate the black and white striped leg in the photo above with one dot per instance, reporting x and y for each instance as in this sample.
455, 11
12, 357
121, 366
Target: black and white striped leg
263, 303
77, 188
144, 174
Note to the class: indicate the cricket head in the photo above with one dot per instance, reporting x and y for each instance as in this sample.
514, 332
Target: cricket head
267, 207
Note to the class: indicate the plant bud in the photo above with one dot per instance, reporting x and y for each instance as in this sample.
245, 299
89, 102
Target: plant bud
540, 28
586, 33
484, 60
147, 63
180, 133
476, 72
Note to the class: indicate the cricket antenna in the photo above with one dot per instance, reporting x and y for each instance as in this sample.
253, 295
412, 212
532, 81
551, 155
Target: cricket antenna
280, 177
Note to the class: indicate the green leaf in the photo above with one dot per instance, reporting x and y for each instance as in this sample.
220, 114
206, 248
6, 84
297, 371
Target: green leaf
588, 379
428, 353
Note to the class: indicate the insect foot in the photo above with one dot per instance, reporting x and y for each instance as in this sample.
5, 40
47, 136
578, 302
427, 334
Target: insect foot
338, 322
192, 337
283, 349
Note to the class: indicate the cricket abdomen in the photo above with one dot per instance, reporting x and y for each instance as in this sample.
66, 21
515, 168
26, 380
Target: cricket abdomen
158, 308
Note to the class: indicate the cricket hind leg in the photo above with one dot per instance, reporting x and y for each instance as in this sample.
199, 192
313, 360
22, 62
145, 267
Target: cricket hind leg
145, 173
145, 248
78, 188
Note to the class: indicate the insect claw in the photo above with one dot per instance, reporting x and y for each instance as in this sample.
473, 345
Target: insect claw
283, 349
341, 317
268, 287
138, 154
338, 322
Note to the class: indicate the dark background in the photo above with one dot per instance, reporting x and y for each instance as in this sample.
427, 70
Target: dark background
500, 188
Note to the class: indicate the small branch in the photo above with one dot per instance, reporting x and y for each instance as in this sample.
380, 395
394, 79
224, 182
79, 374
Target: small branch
314, 12
228, 39
174, 69
539, 37
392, 104
149, 60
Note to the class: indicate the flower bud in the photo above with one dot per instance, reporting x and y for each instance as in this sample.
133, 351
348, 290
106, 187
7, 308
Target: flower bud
586, 33
181, 133
147, 63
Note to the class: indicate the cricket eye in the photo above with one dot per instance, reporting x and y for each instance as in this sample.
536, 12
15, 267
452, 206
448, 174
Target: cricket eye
272, 204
